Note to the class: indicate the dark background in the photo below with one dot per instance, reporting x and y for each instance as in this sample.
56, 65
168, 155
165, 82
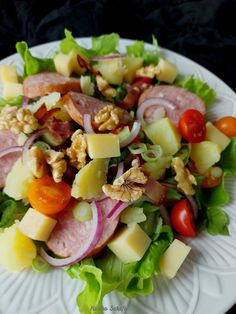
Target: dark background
203, 30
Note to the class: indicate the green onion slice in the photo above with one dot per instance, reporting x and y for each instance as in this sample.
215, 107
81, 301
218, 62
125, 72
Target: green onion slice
153, 153
82, 211
39, 265
137, 148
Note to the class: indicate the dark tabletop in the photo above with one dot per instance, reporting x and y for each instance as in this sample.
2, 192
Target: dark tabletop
202, 30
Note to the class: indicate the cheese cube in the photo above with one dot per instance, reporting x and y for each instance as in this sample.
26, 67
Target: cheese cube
173, 258
216, 136
12, 90
168, 71
103, 145
163, 132
130, 243
36, 225
8, 73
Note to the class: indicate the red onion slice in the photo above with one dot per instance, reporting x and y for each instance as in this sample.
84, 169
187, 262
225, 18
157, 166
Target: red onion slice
88, 123
10, 150
133, 134
117, 209
91, 241
164, 103
25, 102
120, 170
29, 142
193, 205
100, 58
165, 215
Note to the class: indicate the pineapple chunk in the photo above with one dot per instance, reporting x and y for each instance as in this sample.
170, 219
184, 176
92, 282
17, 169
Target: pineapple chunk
17, 250
157, 169
173, 258
65, 64
216, 136
163, 132
89, 180
12, 90
36, 225
112, 70
103, 145
205, 154
8, 73
18, 181
132, 64
168, 71
130, 243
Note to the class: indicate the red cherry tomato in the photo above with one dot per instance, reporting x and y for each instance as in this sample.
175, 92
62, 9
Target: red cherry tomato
227, 125
182, 220
192, 126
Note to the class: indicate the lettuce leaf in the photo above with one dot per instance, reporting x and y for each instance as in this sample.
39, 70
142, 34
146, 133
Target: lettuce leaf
69, 43
149, 56
217, 221
10, 210
105, 44
209, 201
107, 273
32, 64
198, 87
228, 158
17, 101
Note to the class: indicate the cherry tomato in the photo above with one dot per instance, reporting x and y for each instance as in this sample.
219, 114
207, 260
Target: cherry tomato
142, 82
227, 125
131, 98
182, 220
47, 196
192, 126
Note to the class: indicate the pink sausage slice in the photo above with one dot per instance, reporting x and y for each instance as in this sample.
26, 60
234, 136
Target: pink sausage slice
181, 99
7, 139
77, 105
41, 84
70, 234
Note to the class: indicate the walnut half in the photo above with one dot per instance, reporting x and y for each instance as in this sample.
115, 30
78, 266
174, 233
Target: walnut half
127, 188
183, 176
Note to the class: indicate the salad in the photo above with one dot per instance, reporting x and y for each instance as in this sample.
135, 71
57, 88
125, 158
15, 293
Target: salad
107, 165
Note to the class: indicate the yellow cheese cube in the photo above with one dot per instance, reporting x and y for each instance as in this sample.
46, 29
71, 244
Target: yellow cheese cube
8, 73
130, 243
12, 90
17, 250
168, 71
216, 136
36, 225
173, 258
103, 145
163, 132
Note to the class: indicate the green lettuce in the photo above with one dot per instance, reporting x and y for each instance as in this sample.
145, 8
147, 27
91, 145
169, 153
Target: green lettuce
107, 273
10, 210
138, 50
69, 43
212, 216
105, 44
198, 87
228, 158
33, 65
17, 101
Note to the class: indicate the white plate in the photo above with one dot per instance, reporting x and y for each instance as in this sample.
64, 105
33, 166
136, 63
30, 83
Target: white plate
206, 283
